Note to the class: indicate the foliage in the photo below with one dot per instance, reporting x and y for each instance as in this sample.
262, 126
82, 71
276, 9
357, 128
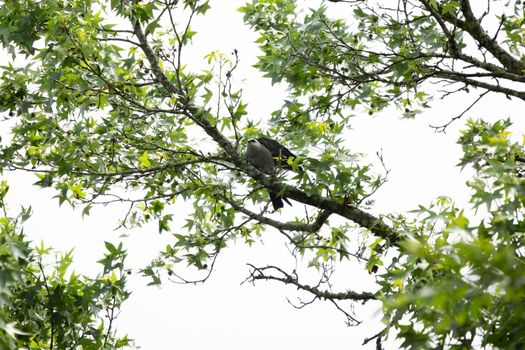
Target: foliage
43, 305
459, 279
454, 281
384, 55
105, 115
108, 110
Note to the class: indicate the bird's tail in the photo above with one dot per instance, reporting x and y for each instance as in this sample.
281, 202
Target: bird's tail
277, 201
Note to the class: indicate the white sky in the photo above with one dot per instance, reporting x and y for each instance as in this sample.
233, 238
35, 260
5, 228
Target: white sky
221, 313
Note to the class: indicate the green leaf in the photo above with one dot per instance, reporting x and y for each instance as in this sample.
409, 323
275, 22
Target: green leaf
152, 26
144, 161
110, 247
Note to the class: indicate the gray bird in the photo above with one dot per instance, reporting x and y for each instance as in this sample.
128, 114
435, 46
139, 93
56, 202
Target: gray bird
265, 155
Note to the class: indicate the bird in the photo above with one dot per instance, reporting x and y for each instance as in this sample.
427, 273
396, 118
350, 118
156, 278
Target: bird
265, 155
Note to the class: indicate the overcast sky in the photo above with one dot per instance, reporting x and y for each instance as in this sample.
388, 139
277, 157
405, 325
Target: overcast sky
222, 313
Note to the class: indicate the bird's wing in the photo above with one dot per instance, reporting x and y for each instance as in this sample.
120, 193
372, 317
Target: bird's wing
280, 154
275, 148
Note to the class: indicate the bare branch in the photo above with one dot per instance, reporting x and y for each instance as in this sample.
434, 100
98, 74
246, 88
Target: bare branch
259, 273
442, 128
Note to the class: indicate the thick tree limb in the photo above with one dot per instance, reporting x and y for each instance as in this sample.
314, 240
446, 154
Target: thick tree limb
474, 28
472, 25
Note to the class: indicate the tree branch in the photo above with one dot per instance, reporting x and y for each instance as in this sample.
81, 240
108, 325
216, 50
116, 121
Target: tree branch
198, 115
51, 307
474, 28
286, 226
259, 273
442, 128
459, 77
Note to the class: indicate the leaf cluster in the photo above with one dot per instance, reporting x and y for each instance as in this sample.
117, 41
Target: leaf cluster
456, 282
45, 305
